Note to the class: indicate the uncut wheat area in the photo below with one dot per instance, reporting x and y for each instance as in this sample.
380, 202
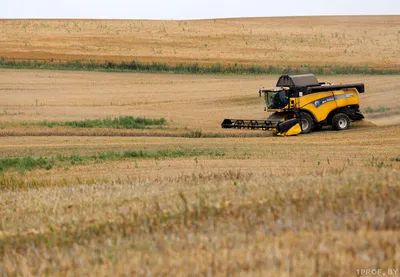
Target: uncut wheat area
285, 41
197, 200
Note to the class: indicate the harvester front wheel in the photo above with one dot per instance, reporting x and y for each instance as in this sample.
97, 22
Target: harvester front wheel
307, 123
340, 121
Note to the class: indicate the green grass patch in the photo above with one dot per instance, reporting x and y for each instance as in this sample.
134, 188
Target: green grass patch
29, 163
195, 68
376, 110
26, 163
121, 122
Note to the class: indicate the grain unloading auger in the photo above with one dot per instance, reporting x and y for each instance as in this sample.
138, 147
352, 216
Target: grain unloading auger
301, 104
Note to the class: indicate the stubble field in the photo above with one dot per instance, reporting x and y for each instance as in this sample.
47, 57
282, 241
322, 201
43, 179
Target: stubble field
211, 201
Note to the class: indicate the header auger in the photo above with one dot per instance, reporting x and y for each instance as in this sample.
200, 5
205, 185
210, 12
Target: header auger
301, 104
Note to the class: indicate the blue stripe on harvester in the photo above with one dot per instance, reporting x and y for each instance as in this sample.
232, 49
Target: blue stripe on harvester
322, 101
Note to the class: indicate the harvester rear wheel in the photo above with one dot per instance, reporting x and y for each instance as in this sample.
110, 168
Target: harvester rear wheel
307, 123
340, 121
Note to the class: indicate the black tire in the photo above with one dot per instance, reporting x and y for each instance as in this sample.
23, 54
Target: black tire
340, 122
306, 123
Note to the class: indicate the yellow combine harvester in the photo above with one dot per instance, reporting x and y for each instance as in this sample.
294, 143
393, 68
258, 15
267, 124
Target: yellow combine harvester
301, 104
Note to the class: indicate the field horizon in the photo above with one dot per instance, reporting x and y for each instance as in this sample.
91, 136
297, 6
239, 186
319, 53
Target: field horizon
277, 41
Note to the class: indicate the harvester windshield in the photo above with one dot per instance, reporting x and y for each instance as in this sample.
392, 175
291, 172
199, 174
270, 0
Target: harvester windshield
277, 99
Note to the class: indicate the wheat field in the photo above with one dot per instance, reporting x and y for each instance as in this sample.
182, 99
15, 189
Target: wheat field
189, 198
323, 204
293, 41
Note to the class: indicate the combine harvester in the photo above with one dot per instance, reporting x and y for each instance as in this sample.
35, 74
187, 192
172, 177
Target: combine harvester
301, 104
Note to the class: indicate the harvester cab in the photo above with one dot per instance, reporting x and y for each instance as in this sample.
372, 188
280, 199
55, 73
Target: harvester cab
276, 99
301, 104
